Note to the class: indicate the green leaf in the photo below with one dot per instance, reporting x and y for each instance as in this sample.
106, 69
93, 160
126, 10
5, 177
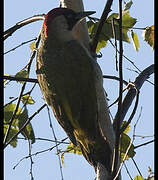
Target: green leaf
127, 129
135, 40
138, 178
23, 74
12, 132
107, 31
27, 132
148, 35
73, 149
27, 99
127, 6
101, 44
124, 144
90, 25
128, 21
8, 113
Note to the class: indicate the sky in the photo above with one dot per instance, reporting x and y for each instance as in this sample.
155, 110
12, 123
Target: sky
46, 165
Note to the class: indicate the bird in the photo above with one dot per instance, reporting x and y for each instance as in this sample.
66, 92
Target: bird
67, 76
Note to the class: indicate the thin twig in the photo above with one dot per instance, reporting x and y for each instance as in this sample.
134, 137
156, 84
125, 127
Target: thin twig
45, 139
114, 34
39, 152
20, 45
125, 56
127, 171
27, 93
22, 23
31, 160
116, 171
51, 126
11, 78
137, 167
115, 78
140, 145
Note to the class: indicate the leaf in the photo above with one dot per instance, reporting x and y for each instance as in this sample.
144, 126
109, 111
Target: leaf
4, 80
12, 132
127, 6
148, 35
124, 145
62, 159
8, 113
70, 149
27, 99
101, 44
90, 25
107, 31
128, 21
135, 40
33, 46
23, 74
127, 129
27, 132
138, 178
73, 149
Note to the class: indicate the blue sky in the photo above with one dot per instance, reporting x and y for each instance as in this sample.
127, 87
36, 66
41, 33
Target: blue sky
46, 165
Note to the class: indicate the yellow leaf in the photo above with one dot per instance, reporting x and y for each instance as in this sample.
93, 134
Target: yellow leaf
148, 35
135, 40
33, 46
4, 80
127, 128
27, 99
62, 159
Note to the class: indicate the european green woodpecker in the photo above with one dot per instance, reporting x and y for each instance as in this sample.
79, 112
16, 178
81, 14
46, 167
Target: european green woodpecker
67, 77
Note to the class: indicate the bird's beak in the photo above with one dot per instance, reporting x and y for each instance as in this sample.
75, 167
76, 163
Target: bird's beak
81, 15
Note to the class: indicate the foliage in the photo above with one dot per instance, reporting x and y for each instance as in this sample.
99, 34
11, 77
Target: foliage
70, 149
148, 35
18, 122
22, 73
110, 31
111, 28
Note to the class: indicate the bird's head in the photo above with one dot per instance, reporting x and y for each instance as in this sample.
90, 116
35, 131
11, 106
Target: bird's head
69, 16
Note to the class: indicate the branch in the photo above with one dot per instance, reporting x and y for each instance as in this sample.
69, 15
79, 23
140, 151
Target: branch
140, 145
22, 23
11, 78
143, 76
133, 112
115, 78
20, 45
103, 18
116, 171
